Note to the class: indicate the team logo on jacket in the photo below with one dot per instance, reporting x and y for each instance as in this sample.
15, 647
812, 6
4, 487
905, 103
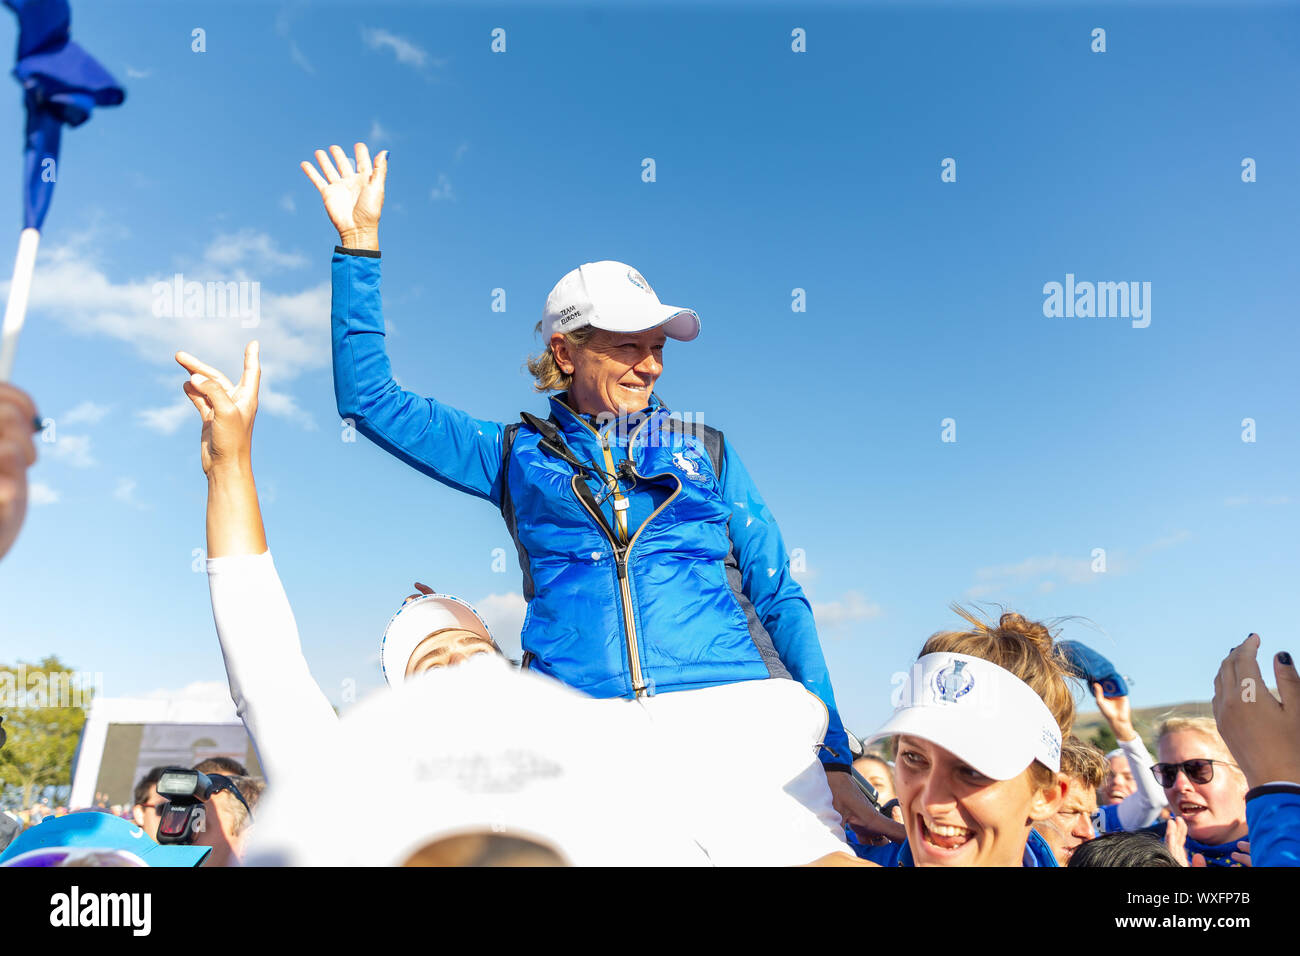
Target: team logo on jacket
689, 467
952, 683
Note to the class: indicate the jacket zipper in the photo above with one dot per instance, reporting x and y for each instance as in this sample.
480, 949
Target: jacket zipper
621, 555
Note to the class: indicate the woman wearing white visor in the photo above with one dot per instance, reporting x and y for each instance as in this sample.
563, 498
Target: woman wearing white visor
977, 734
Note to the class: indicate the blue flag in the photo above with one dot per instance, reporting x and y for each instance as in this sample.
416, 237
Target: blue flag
62, 83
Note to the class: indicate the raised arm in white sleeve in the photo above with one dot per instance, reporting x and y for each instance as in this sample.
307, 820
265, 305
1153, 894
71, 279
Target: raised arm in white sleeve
1142, 807
283, 708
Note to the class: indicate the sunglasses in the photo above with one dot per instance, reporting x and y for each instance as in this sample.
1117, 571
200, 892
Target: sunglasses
1200, 770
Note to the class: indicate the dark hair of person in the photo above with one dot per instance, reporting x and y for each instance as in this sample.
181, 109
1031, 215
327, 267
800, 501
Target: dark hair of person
224, 765
1123, 849
147, 781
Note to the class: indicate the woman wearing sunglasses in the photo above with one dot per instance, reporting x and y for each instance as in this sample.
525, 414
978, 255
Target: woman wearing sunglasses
977, 734
1206, 792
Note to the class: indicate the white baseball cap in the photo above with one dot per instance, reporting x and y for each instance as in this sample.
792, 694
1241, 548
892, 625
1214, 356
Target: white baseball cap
613, 296
985, 715
416, 620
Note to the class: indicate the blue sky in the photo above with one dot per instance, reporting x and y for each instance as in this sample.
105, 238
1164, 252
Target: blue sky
774, 171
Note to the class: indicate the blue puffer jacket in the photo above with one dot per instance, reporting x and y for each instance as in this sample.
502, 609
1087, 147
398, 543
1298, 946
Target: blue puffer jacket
696, 592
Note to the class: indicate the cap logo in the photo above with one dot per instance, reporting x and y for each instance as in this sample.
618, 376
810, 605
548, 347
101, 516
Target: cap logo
953, 682
639, 281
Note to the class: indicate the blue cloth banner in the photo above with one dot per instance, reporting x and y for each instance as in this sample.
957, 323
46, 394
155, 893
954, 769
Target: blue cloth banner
62, 83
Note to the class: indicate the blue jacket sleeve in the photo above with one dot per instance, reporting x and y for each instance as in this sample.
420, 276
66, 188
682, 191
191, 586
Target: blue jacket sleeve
778, 599
1273, 822
442, 442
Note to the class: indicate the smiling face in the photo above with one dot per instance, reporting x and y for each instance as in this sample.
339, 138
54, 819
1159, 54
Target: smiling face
877, 774
1216, 811
956, 816
1119, 780
614, 371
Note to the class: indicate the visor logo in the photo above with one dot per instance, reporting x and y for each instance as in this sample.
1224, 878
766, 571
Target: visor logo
952, 682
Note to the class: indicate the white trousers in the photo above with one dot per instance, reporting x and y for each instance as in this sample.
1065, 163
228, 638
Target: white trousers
745, 768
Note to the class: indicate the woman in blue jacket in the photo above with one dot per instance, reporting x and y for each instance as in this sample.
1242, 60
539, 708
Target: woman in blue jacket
650, 562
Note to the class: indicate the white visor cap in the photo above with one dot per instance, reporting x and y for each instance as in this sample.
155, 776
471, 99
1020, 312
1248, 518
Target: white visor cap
613, 296
982, 714
415, 621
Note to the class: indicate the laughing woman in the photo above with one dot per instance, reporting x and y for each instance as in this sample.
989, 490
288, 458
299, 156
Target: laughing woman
977, 735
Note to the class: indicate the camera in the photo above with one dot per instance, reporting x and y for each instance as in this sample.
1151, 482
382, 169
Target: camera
184, 792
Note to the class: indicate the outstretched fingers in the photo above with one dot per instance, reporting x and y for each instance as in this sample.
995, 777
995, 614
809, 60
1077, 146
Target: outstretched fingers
193, 366
341, 160
1288, 681
251, 380
364, 166
326, 167
317, 180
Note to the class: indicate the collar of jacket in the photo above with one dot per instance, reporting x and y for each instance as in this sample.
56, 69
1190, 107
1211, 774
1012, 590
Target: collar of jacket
573, 423
1037, 853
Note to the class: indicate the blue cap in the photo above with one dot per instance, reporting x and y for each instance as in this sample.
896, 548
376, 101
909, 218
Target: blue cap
106, 832
1094, 668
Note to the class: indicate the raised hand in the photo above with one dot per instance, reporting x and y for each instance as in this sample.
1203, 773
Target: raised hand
1117, 712
228, 410
353, 198
1262, 732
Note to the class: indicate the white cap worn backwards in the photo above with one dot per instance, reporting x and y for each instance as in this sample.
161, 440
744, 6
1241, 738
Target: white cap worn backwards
613, 296
981, 713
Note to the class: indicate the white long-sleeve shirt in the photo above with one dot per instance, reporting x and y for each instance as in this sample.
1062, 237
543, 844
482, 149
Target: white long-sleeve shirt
1142, 807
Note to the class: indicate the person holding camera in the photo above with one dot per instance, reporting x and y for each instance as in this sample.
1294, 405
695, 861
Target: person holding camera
652, 566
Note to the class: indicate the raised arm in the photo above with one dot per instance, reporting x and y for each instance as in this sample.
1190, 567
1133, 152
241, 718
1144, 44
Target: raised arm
1142, 807
440, 441
282, 707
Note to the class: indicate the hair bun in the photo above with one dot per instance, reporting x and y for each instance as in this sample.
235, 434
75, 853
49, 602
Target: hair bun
1034, 631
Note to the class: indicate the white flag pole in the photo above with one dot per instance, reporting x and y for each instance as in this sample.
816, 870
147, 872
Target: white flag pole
16, 309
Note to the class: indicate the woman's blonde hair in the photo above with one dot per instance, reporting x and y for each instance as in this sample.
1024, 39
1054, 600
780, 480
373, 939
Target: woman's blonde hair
546, 372
1028, 650
1205, 726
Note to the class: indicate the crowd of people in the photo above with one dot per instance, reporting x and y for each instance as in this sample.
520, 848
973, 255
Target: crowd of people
671, 669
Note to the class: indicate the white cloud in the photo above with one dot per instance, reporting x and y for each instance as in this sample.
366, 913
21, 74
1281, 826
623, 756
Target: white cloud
39, 493
72, 450
72, 288
287, 203
378, 133
300, 59
133, 74
1035, 572
125, 493
442, 190
406, 52
168, 419
248, 245
849, 607
213, 691
1241, 501
88, 413
461, 150
504, 614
